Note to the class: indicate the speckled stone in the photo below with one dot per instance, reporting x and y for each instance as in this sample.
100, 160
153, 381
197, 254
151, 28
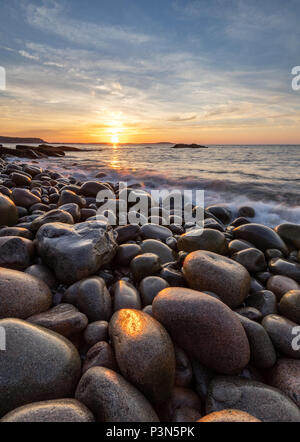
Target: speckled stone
285, 376
64, 319
229, 416
204, 327
260, 400
281, 332
144, 352
59, 410
37, 365
22, 295
112, 399
205, 270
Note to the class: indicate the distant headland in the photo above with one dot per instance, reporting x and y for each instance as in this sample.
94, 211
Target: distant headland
13, 140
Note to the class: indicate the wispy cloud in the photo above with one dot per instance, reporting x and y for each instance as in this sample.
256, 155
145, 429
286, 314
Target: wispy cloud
27, 55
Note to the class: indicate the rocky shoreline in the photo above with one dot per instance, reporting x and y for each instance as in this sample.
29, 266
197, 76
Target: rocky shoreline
142, 324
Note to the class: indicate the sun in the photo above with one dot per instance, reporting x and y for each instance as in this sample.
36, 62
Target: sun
114, 139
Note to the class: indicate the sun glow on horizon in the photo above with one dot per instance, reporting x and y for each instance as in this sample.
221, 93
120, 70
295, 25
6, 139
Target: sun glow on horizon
114, 139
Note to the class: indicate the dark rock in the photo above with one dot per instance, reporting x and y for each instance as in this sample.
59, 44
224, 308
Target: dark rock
112, 399
15, 252
261, 236
8, 211
252, 259
264, 301
150, 287
95, 332
205, 270
204, 327
203, 239
145, 265
100, 355
282, 334
37, 365
289, 305
126, 296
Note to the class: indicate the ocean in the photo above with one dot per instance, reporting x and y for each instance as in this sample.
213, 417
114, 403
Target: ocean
265, 177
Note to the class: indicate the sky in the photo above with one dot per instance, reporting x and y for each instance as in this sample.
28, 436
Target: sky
210, 72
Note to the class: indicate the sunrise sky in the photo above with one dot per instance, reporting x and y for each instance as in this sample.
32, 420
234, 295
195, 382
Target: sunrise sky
216, 71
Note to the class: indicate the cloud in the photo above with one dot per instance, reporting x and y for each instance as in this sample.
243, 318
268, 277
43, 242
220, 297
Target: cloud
27, 55
182, 118
50, 18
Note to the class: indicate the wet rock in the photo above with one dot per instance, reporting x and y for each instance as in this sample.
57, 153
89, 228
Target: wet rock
286, 268
22, 295
261, 236
24, 198
262, 351
15, 252
56, 215
59, 410
154, 231
67, 197
95, 332
222, 213
279, 285
204, 327
73, 210
91, 188
20, 179
202, 378
127, 233
112, 399
63, 319
44, 273
203, 239
285, 376
290, 233
237, 245
16, 231
160, 249
100, 355
150, 287
252, 259
205, 270
126, 252
92, 298
172, 276
282, 334
126, 296
250, 313
264, 301
75, 252
246, 211
260, 400
186, 414
145, 265
229, 416
289, 305
37, 365
140, 341
8, 211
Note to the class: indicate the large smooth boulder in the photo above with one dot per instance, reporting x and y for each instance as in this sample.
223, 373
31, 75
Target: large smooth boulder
75, 252
261, 236
59, 410
112, 399
204, 327
37, 365
144, 352
22, 295
8, 211
260, 400
207, 271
